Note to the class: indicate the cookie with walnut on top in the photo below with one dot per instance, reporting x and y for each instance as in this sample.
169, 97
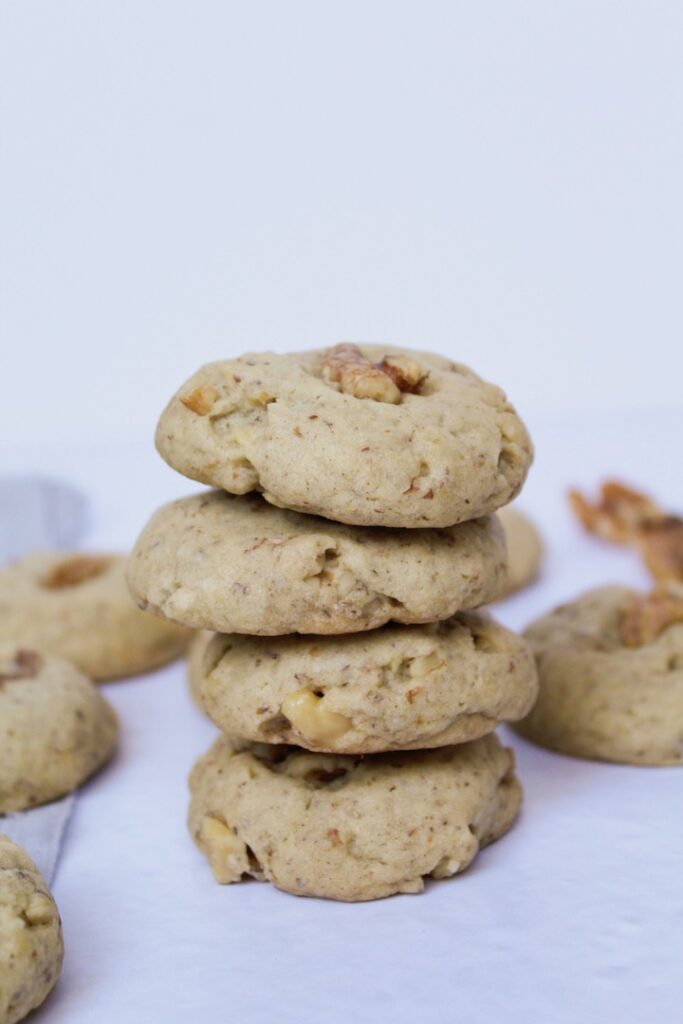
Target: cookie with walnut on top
360, 434
77, 606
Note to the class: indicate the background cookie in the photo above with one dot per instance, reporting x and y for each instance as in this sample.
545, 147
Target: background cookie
78, 606
396, 688
349, 828
55, 728
320, 432
31, 946
524, 547
238, 565
195, 663
598, 697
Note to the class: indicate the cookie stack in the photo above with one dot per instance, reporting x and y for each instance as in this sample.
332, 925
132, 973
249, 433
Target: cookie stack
337, 565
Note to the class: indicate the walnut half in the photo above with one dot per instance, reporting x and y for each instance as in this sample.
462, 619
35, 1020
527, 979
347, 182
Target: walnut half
357, 375
646, 617
625, 516
75, 570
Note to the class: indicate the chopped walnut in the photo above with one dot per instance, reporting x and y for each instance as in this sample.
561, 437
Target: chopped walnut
25, 665
75, 570
201, 400
646, 617
625, 516
358, 376
661, 544
406, 374
619, 513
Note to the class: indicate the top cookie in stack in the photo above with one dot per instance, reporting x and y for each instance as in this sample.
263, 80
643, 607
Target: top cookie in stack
430, 444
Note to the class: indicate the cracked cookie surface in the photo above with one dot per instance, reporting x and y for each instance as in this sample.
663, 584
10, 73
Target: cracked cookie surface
239, 565
395, 688
77, 606
406, 439
604, 694
31, 946
349, 828
56, 729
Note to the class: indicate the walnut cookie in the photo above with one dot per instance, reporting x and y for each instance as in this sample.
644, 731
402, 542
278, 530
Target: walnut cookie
239, 565
395, 688
56, 729
611, 678
77, 606
524, 548
31, 945
348, 828
363, 435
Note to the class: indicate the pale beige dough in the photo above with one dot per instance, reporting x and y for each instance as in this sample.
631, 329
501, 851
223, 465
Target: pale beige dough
195, 663
77, 606
599, 699
454, 451
349, 828
56, 729
395, 688
238, 565
31, 945
524, 547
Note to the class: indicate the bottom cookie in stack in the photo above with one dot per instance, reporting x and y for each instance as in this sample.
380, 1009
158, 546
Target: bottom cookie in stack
349, 828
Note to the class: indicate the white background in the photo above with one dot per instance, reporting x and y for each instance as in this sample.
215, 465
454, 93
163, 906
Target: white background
185, 180
497, 181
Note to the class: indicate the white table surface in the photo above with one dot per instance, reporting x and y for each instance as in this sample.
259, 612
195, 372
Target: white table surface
575, 916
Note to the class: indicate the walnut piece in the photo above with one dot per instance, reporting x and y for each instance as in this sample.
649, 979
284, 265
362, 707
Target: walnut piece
201, 400
75, 570
646, 617
227, 854
625, 516
661, 545
311, 719
24, 665
357, 375
619, 513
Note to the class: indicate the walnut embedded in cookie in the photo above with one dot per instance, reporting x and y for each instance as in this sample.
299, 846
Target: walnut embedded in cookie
395, 688
31, 945
610, 668
239, 565
77, 606
56, 729
348, 828
356, 433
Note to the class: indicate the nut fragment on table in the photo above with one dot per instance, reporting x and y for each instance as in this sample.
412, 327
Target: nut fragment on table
623, 515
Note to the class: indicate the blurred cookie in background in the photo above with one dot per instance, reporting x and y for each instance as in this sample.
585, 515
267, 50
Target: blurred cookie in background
610, 668
525, 549
77, 606
56, 729
31, 945
196, 670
